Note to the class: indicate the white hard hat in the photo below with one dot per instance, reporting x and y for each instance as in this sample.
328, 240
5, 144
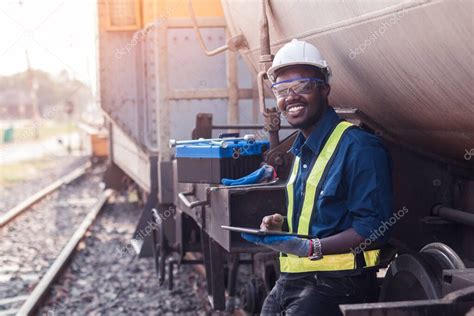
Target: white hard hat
298, 53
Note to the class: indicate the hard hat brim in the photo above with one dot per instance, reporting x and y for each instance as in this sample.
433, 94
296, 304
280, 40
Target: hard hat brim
271, 73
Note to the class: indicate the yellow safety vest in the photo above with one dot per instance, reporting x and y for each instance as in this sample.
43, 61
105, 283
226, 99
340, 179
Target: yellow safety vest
346, 261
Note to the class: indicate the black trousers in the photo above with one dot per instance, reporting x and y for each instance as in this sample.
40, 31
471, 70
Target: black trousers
318, 294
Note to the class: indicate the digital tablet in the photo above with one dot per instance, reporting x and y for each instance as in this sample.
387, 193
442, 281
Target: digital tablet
262, 232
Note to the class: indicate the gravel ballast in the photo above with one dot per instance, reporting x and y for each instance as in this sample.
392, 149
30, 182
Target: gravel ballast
106, 279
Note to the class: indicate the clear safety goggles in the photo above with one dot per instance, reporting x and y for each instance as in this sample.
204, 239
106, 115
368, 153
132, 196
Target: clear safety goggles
299, 86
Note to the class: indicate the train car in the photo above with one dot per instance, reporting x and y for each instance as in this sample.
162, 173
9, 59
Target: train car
195, 69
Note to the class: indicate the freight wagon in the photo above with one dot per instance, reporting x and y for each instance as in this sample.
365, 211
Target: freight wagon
182, 70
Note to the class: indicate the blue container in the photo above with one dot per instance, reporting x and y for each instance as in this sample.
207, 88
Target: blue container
208, 149
209, 162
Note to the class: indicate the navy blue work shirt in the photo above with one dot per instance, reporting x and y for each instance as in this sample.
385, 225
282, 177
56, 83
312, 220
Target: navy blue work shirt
357, 190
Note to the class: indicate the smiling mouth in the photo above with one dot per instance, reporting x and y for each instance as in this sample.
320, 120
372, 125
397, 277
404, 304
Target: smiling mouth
294, 108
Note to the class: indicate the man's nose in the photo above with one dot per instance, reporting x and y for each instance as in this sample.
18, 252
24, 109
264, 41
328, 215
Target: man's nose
292, 95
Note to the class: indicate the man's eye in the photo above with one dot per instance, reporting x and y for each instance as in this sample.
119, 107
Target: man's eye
305, 88
299, 87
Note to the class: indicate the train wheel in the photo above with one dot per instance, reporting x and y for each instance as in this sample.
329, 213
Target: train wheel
252, 295
418, 276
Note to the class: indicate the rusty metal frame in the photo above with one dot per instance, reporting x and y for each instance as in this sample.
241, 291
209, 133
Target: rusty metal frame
455, 303
180, 94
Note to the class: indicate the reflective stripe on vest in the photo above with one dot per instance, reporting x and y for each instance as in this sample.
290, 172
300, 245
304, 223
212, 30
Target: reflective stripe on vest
290, 191
346, 261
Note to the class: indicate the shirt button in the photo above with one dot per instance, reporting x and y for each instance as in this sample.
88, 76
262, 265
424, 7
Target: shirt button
305, 166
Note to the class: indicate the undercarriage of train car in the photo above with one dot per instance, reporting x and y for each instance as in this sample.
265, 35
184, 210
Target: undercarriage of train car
424, 274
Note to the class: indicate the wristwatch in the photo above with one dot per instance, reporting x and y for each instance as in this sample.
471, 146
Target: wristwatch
315, 245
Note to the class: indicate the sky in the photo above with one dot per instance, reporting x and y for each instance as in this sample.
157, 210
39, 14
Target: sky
57, 34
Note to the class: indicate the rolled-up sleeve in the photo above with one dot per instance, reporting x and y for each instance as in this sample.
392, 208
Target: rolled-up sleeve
368, 175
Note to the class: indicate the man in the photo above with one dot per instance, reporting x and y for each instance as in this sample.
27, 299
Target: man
339, 194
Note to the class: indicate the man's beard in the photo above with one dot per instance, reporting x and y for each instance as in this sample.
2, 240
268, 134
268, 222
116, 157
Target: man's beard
310, 121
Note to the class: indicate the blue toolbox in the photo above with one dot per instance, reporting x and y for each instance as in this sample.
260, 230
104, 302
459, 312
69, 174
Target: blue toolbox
210, 160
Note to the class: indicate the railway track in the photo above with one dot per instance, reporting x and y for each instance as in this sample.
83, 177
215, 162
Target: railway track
105, 277
34, 299
27, 203
30, 287
36, 246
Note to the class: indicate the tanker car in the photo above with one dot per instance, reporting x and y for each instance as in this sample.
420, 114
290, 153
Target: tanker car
182, 70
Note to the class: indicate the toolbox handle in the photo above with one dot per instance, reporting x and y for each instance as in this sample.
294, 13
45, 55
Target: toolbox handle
183, 197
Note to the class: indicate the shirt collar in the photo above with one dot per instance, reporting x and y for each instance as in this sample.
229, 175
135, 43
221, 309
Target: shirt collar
319, 134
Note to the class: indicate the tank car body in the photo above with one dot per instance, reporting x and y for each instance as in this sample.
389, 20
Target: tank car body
406, 64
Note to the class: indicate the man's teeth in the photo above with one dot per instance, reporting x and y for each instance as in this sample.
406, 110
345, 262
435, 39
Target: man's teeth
295, 108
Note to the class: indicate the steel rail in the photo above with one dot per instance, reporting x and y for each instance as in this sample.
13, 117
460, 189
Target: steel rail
21, 207
35, 298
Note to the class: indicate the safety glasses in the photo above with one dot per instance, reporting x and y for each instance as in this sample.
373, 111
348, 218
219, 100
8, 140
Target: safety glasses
299, 86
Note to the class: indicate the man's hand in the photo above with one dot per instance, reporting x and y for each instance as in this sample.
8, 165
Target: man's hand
286, 244
272, 222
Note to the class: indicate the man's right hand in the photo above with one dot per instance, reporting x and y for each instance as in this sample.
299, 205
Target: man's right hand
272, 222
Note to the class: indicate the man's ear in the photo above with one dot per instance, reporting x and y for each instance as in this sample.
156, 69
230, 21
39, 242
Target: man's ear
325, 90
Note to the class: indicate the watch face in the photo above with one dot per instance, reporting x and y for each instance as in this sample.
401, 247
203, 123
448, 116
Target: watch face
315, 257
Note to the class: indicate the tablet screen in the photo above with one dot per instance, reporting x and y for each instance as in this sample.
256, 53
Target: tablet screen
261, 232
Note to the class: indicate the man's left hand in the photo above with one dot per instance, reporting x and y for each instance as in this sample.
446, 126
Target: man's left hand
287, 244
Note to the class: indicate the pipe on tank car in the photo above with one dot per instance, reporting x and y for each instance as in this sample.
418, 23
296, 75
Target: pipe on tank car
454, 215
271, 116
233, 43
233, 89
264, 32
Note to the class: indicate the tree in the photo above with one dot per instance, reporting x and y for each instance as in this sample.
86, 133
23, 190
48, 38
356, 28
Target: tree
52, 92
